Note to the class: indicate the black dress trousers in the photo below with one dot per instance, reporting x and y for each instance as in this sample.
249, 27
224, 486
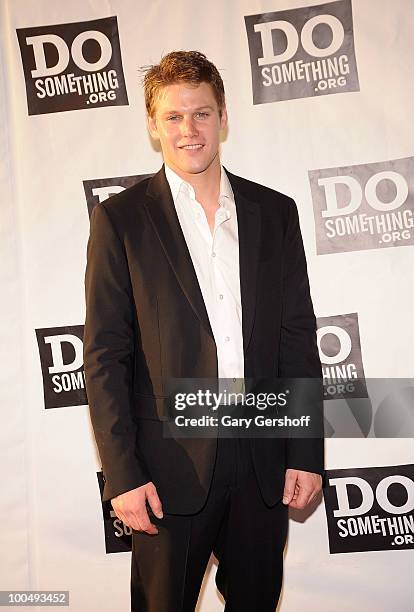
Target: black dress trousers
246, 536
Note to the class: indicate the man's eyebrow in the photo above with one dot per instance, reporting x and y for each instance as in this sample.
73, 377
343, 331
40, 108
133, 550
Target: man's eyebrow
199, 108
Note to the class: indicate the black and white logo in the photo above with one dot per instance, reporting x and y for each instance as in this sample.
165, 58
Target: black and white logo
370, 508
98, 190
369, 206
117, 535
302, 52
72, 66
340, 353
61, 358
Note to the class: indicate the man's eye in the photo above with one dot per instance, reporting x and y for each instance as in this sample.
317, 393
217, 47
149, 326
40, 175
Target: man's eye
172, 118
202, 115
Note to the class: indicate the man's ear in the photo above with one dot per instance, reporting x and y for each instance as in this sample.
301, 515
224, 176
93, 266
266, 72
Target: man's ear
223, 118
152, 127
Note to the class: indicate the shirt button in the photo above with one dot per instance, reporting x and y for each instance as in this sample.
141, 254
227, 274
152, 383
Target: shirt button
213, 254
227, 338
221, 296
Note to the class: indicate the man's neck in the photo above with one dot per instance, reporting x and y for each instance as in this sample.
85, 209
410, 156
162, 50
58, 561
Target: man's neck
206, 184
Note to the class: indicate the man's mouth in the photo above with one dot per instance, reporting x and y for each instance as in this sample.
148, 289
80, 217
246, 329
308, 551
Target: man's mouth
192, 146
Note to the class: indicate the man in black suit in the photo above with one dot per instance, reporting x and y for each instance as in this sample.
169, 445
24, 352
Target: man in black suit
197, 273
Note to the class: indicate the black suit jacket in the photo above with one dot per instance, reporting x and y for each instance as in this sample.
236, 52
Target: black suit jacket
146, 322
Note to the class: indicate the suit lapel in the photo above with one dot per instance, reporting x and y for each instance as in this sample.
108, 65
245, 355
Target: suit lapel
248, 221
164, 218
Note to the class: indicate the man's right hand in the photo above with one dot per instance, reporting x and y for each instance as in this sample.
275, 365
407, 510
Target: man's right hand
130, 507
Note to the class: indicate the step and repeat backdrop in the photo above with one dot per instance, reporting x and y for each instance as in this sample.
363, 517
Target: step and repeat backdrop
320, 100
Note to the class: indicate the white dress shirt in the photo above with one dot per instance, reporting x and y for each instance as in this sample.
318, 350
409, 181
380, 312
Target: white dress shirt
215, 257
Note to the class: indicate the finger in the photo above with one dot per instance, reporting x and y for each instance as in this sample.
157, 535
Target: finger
145, 523
316, 494
290, 486
155, 502
140, 525
128, 521
131, 518
312, 500
302, 499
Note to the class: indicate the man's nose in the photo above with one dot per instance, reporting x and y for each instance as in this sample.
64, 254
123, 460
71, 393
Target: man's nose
188, 126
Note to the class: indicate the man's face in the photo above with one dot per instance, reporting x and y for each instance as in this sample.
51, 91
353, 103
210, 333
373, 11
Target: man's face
187, 123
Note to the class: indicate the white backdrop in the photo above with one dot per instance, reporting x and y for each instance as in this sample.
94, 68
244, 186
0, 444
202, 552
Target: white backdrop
52, 534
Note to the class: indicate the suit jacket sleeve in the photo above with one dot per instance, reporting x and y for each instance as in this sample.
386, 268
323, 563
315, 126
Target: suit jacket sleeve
299, 357
109, 356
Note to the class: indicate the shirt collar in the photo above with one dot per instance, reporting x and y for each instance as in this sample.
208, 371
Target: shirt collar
176, 183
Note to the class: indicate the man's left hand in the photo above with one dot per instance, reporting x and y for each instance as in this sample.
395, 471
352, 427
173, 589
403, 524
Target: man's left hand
300, 488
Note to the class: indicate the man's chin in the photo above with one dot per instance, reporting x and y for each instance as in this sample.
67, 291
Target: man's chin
194, 168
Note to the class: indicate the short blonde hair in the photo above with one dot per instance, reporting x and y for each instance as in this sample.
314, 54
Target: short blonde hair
182, 66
